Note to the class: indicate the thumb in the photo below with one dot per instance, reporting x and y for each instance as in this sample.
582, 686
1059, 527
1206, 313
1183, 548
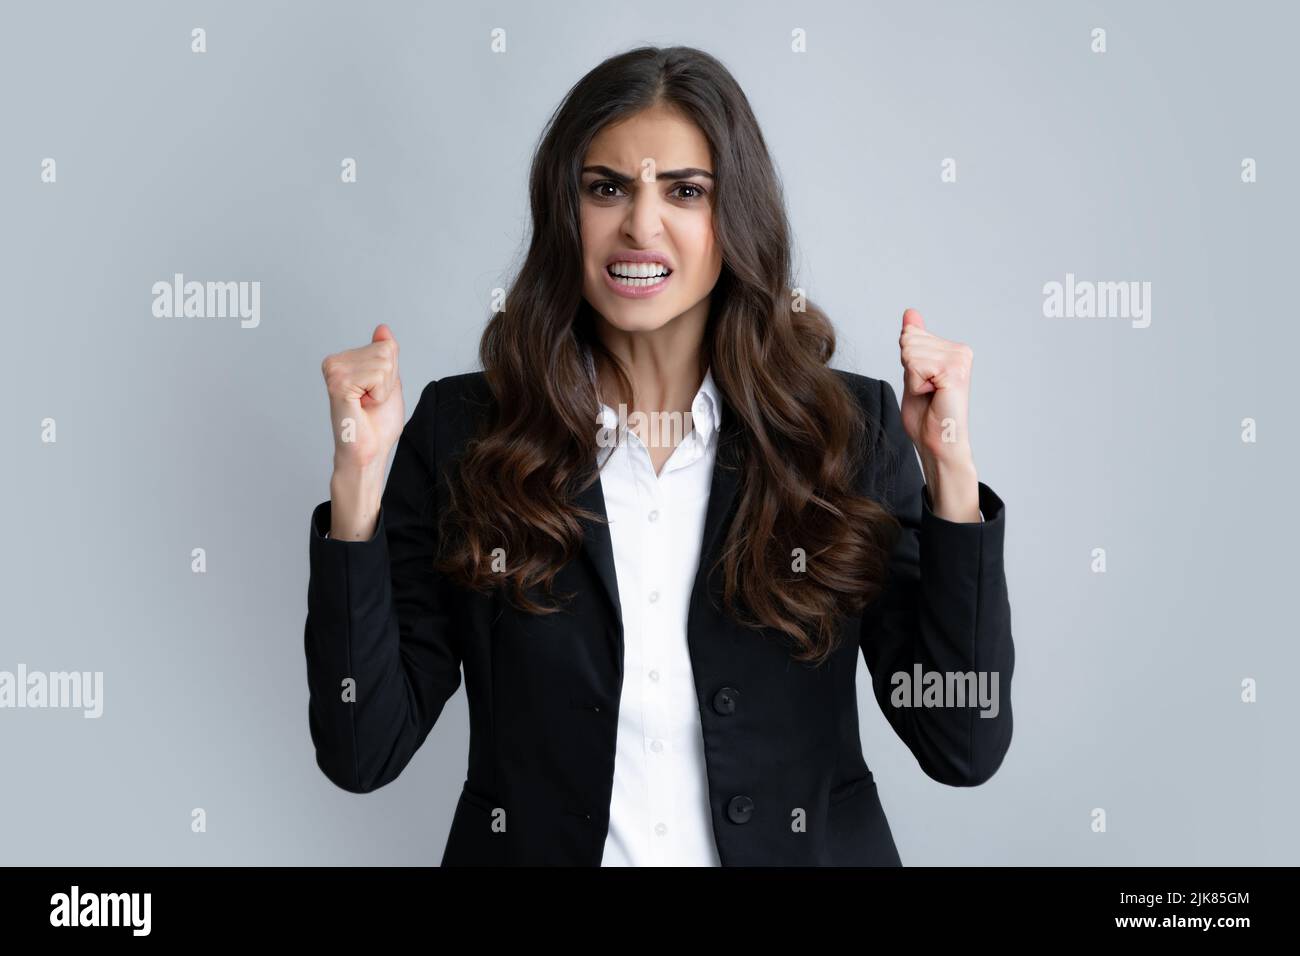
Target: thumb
914, 382
378, 393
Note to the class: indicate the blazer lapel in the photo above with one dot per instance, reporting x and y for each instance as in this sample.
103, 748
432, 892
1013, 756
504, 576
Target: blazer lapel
596, 544
722, 495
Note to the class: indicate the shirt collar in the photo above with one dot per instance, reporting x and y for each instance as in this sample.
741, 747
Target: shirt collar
706, 409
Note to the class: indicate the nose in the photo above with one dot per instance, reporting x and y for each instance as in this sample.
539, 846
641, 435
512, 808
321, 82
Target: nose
644, 220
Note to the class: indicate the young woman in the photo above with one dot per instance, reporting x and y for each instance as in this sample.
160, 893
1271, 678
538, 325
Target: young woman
658, 626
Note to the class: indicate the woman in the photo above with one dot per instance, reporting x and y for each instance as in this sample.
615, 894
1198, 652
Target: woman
658, 627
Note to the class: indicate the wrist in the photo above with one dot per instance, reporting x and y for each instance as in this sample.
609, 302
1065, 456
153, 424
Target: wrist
356, 495
954, 489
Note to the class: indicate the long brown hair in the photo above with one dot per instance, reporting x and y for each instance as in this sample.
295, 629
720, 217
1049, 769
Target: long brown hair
802, 433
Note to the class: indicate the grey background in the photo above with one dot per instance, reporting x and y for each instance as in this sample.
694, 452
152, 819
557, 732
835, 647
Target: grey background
183, 433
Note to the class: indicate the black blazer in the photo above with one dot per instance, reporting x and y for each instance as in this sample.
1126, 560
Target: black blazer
787, 781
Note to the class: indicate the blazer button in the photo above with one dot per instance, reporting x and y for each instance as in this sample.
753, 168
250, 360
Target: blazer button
724, 701
740, 808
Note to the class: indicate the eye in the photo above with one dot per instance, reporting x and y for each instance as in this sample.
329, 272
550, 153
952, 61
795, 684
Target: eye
594, 188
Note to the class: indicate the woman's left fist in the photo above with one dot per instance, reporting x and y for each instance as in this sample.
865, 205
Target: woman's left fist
936, 392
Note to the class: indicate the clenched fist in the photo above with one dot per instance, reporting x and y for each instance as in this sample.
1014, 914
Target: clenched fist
936, 408
366, 407
936, 390
367, 417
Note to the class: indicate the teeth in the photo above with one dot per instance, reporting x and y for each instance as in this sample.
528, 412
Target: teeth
637, 283
638, 270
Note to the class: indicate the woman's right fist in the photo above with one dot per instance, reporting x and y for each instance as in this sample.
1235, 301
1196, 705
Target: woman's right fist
366, 408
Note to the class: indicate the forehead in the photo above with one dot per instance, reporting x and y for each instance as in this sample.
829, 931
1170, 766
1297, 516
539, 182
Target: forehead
665, 135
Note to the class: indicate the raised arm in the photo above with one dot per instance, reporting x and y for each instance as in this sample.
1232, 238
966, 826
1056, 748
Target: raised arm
381, 663
946, 611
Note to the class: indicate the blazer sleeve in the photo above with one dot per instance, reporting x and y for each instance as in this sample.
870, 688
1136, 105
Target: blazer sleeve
374, 615
945, 608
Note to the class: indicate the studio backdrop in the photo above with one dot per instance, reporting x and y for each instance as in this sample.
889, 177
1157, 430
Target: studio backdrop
1099, 198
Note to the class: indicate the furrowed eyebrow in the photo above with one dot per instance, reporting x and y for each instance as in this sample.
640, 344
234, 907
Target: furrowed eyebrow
623, 179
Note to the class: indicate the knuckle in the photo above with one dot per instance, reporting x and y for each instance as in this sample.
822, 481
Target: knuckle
337, 372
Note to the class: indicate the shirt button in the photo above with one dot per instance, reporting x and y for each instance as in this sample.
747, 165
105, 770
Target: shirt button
653, 516
656, 745
654, 675
654, 596
661, 828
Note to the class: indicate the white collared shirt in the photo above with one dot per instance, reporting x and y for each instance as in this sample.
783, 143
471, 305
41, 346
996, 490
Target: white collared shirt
659, 810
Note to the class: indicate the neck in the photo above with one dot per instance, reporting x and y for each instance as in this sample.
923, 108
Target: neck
665, 365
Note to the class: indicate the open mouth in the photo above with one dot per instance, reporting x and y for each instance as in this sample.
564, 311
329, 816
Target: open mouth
638, 275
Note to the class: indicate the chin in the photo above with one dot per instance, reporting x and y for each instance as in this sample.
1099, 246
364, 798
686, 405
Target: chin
631, 316
646, 321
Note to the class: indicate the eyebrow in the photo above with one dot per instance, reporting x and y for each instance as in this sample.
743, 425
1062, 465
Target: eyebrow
623, 179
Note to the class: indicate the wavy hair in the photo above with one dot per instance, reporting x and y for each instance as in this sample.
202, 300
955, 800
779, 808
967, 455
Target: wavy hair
802, 434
